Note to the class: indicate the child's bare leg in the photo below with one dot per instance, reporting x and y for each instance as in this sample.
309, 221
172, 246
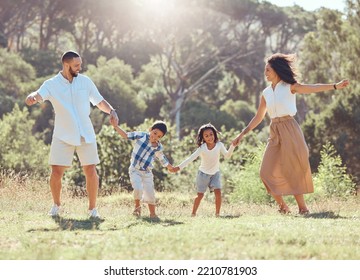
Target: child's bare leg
283, 208
217, 202
152, 210
137, 210
197, 203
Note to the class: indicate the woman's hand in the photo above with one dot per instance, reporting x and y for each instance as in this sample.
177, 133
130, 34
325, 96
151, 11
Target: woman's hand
342, 84
237, 140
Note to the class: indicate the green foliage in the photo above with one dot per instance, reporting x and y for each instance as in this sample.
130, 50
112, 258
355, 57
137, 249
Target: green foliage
115, 82
46, 62
334, 115
242, 111
19, 149
338, 124
114, 153
246, 183
332, 179
196, 114
14, 74
150, 88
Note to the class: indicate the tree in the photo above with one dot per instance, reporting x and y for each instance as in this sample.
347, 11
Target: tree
333, 115
16, 16
195, 114
193, 58
242, 111
115, 82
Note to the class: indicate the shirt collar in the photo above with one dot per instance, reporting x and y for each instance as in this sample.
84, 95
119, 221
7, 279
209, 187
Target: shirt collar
158, 148
62, 79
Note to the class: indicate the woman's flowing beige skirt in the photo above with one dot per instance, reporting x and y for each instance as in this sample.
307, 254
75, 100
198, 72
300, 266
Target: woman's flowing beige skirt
285, 168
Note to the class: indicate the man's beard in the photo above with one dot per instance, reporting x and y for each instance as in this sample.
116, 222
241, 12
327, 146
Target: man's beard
73, 73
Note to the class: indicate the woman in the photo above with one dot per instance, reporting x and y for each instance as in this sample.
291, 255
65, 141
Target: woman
285, 168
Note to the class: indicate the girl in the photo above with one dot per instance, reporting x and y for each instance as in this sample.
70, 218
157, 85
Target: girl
209, 149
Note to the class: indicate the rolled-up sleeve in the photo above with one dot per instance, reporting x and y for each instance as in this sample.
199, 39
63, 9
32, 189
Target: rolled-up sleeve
162, 158
95, 96
44, 91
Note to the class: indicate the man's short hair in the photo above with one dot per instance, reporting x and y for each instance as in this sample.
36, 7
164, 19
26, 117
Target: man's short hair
69, 55
160, 125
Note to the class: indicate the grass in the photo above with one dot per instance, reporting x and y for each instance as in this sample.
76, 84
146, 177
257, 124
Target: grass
243, 232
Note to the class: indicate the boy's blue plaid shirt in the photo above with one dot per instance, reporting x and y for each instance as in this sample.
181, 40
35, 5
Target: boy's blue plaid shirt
143, 153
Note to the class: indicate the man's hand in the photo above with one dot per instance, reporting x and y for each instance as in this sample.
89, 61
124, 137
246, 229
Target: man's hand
114, 119
32, 98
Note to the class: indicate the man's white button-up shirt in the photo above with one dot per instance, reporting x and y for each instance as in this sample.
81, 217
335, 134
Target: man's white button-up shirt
71, 103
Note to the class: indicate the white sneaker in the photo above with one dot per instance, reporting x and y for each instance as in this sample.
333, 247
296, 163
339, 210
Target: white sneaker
94, 213
54, 211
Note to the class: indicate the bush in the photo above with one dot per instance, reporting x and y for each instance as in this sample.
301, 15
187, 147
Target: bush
20, 151
14, 76
247, 185
331, 178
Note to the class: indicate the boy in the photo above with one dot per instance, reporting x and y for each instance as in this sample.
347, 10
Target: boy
147, 147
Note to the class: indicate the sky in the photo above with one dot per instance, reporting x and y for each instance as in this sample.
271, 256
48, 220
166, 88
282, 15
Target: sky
311, 5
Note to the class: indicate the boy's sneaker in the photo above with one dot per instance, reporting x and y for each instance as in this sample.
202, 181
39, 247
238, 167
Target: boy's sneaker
94, 213
137, 211
54, 211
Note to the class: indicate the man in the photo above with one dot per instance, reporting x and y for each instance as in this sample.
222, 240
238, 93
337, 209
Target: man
70, 94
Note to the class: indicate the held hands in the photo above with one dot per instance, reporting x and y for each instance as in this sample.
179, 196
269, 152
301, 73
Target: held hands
237, 140
173, 169
114, 119
342, 84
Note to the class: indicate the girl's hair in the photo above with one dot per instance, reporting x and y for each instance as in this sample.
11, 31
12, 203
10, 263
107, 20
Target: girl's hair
283, 65
200, 134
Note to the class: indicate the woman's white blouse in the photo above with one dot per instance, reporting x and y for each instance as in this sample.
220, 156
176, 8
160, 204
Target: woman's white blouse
280, 101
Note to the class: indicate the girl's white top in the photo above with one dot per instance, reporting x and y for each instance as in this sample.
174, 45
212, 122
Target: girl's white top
280, 101
210, 159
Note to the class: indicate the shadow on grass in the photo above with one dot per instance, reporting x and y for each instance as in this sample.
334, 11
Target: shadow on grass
230, 216
141, 220
324, 215
74, 224
165, 222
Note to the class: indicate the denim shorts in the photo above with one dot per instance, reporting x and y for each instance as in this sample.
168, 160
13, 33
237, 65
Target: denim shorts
204, 181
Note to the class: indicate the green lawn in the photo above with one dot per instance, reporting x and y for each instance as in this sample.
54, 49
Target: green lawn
244, 232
